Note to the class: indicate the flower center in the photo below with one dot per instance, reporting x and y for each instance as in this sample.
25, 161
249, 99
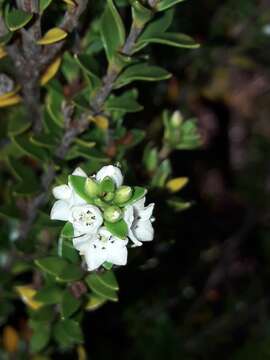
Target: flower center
84, 217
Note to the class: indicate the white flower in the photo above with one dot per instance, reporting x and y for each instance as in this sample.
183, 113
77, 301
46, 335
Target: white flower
66, 198
101, 247
111, 171
85, 219
139, 220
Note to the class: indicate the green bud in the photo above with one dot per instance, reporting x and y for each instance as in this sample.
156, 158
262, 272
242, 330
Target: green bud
123, 194
100, 203
109, 196
107, 185
92, 188
112, 214
176, 119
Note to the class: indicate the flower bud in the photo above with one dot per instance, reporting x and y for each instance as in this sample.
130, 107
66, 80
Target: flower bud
123, 194
92, 187
112, 214
109, 196
176, 119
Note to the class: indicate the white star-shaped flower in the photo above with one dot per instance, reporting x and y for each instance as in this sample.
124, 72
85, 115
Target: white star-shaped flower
101, 247
66, 198
139, 220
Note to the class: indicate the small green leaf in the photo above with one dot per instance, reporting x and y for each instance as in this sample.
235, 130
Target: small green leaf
52, 265
61, 269
100, 288
68, 331
67, 231
162, 173
109, 279
23, 143
166, 4
140, 13
138, 193
43, 4
107, 185
125, 102
49, 295
86, 63
172, 39
69, 304
143, 72
54, 105
18, 124
78, 184
112, 30
16, 18
118, 229
40, 337
107, 265
156, 27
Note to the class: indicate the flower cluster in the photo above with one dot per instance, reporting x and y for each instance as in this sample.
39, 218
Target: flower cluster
105, 215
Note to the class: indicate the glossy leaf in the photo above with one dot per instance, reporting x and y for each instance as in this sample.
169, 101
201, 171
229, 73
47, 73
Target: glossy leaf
118, 228
100, 288
125, 102
171, 39
69, 304
176, 184
49, 295
142, 72
166, 4
109, 279
61, 269
40, 337
78, 184
23, 143
52, 36
43, 4
16, 18
112, 30
51, 71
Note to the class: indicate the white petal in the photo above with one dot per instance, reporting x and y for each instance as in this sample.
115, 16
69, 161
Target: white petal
129, 216
79, 172
95, 256
113, 172
62, 192
81, 242
133, 238
117, 251
60, 211
76, 199
138, 205
104, 233
144, 231
146, 213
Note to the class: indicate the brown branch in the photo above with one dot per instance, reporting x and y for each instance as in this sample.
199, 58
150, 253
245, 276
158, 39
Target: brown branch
77, 127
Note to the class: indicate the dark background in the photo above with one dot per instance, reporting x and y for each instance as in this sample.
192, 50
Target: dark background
200, 289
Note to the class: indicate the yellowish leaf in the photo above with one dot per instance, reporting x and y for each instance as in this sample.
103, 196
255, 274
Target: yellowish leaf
70, 3
94, 303
10, 339
176, 184
27, 294
9, 101
52, 36
101, 121
3, 52
50, 71
81, 353
10, 93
